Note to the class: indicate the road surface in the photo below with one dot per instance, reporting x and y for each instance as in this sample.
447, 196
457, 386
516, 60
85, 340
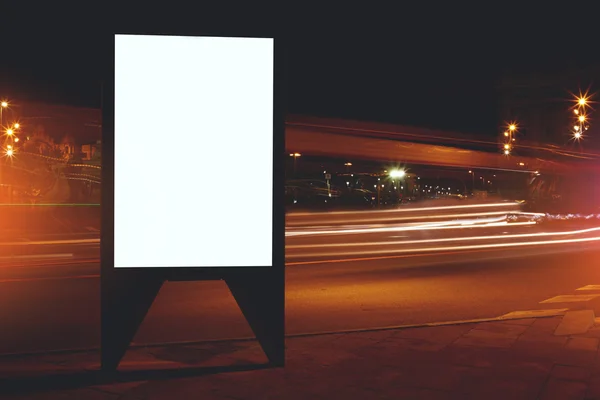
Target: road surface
346, 278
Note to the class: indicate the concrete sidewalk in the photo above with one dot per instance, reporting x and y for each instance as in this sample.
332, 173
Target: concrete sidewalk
512, 359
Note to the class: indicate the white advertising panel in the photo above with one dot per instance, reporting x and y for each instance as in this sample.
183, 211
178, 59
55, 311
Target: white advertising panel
193, 151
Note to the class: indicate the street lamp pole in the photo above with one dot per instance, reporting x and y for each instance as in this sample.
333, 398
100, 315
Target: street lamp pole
3, 105
473, 182
295, 155
580, 112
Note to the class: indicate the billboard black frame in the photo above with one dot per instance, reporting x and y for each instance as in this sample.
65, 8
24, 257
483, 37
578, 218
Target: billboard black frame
127, 293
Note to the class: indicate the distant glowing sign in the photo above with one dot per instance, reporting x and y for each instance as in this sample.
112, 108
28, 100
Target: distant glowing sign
193, 151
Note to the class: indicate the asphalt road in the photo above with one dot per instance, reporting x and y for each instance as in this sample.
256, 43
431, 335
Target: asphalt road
45, 311
53, 303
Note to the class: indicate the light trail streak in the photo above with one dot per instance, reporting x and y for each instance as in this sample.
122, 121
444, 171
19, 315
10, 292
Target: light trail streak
413, 224
441, 216
52, 242
491, 237
415, 209
449, 248
447, 225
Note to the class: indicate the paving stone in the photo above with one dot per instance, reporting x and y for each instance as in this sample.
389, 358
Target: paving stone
500, 328
538, 351
175, 355
316, 341
428, 394
445, 378
572, 373
479, 357
442, 334
546, 324
578, 358
582, 343
379, 336
351, 341
558, 389
524, 321
522, 370
485, 341
593, 391
593, 333
546, 338
415, 344
71, 394
118, 388
597, 361
206, 387
501, 388
576, 322
332, 356
249, 355
16, 367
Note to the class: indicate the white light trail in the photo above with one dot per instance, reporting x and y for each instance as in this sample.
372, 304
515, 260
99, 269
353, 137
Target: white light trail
447, 225
458, 239
414, 209
441, 216
450, 248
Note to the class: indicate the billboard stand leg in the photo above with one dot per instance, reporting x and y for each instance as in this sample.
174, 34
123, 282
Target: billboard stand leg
261, 296
125, 302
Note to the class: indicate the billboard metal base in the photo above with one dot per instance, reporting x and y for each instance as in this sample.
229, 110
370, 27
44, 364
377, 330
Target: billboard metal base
128, 295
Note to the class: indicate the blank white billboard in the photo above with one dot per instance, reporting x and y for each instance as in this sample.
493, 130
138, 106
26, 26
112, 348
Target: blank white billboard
193, 151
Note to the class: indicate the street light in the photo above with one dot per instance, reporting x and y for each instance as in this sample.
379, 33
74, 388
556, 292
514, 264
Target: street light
509, 134
295, 155
16, 125
397, 173
581, 102
10, 152
9, 132
3, 105
473, 181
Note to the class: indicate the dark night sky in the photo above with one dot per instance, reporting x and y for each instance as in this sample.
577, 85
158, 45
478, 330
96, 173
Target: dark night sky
409, 66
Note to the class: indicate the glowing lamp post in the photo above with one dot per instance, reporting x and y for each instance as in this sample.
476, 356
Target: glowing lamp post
580, 113
3, 105
295, 155
397, 173
509, 135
